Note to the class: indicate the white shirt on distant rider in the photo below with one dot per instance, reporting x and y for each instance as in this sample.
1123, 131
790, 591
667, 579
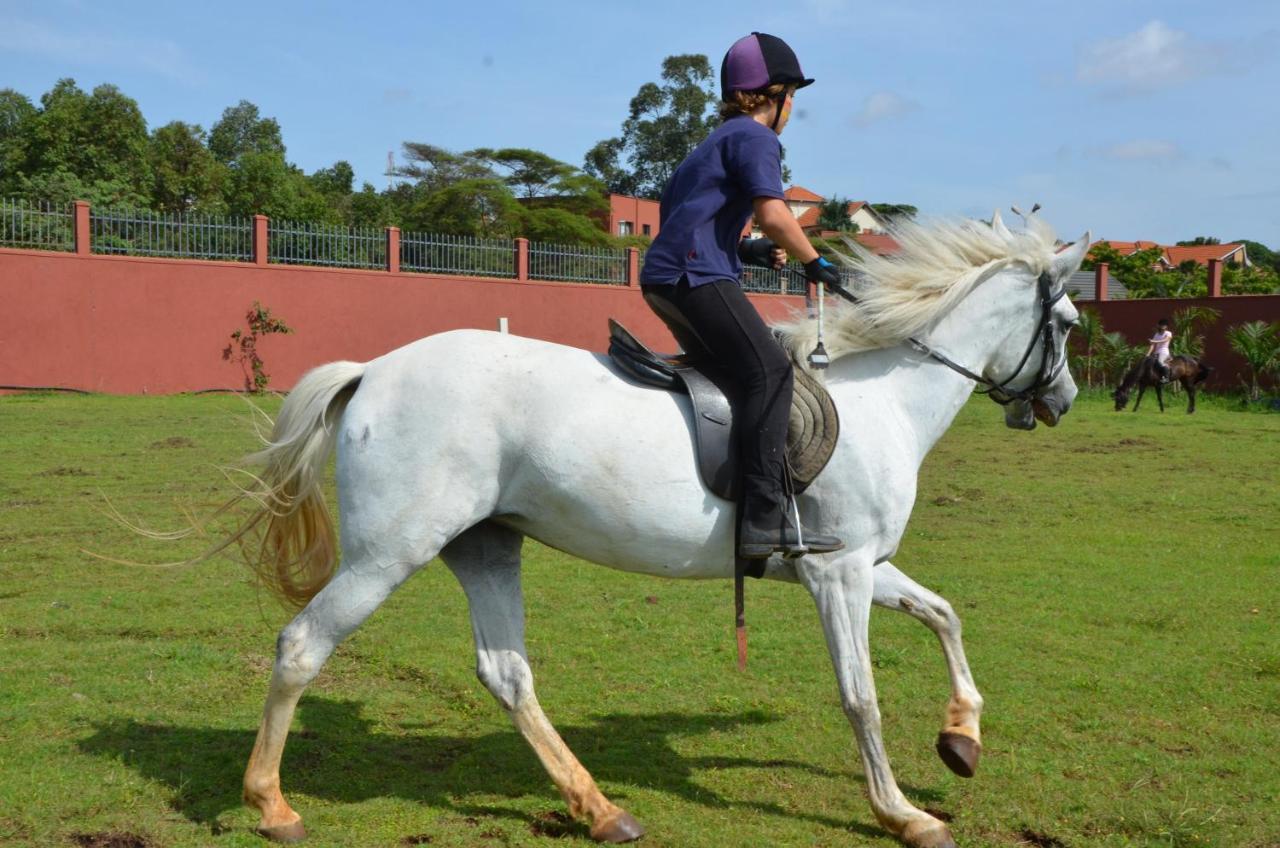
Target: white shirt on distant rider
1160, 346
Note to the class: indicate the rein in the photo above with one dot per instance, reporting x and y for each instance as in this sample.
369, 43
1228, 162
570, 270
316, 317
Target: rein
1050, 364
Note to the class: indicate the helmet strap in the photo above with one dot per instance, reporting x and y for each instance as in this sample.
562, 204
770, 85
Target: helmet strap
777, 114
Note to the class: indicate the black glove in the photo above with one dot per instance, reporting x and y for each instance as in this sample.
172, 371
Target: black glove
757, 251
821, 271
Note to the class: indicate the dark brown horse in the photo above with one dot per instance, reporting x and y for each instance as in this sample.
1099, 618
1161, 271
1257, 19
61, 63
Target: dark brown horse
1187, 370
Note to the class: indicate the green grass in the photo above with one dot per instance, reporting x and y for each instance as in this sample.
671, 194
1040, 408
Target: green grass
1117, 576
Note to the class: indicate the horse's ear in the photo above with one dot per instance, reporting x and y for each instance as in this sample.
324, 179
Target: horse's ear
997, 224
1068, 261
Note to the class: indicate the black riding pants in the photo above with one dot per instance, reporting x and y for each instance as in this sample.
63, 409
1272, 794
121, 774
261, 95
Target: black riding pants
715, 321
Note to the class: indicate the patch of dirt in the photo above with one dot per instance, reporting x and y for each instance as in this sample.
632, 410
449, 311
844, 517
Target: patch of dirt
64, 471
1041, 840
552, 823
173, 442
417, 839
940, 815
114, 839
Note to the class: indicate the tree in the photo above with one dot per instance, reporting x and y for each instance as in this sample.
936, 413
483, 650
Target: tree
1199, 240
185, 175
889, 211
833, 214
665, 122
475, 206
1086, 339
1260, 255
17, 113
1188, 340
1137, 271
1259, 344
241, 130
96, 141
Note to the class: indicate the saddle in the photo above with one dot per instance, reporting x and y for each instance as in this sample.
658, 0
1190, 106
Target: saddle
811, 435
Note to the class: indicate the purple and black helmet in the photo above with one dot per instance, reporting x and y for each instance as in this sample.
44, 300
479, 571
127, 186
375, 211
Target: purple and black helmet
757, 61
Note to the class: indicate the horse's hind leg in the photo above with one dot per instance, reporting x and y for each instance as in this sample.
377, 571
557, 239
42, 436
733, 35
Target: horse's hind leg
303, 646
1142, 390
1160, 397
486, 561
959, 743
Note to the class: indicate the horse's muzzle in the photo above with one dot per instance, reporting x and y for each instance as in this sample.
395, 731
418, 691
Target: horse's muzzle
1046, 410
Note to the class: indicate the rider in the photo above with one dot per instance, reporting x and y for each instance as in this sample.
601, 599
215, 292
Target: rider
690, 276
1159, 348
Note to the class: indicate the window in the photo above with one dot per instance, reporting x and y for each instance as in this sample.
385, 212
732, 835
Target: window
624, 228
646, 229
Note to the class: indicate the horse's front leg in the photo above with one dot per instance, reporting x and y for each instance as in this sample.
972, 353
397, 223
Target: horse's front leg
1160, 396
1142, 390
842, 588
960, 743
1191, 395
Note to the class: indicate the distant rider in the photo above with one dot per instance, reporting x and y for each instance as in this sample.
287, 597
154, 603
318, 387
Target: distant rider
1159, 348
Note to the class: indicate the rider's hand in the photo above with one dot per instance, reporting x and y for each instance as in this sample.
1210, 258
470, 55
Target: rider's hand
761, 251
821, 271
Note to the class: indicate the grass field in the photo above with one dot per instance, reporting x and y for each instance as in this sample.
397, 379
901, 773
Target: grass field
1119, 580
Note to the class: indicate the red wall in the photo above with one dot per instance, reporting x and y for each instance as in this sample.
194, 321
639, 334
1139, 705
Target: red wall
130, 325
637, 210
1136, 319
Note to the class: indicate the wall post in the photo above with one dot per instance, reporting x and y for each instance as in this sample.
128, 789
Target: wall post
261, 240
81, 230
522, 259
633, 267
1101, 276
393, 249
1215, 278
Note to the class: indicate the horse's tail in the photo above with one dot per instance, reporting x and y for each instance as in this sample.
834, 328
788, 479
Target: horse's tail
296, 546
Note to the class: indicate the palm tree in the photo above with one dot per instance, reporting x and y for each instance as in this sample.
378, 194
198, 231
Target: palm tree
1187, 338
1115, 355
1088, 333
1259, 344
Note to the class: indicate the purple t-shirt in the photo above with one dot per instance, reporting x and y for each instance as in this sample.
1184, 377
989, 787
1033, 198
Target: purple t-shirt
709, 201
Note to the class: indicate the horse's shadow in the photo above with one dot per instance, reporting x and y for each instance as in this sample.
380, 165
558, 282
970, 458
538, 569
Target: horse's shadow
338, 755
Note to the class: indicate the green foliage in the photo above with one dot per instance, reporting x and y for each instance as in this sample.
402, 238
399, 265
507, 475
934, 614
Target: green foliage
242, 130
475, 206
1260, 254
1188, 322
560, 226
243, 348
889, 211
1258, 343
1115, 356
186, 176
833, 214
1199, 240
1084, 340
666, 122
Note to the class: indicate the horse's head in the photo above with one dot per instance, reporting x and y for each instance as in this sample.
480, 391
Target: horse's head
1034, 383
1121, 396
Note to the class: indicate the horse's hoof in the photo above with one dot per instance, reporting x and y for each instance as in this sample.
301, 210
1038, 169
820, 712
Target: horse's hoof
959, 752
286, 833
927, 833
620, 828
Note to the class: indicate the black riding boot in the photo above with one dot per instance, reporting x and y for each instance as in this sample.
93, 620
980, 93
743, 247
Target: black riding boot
769, 527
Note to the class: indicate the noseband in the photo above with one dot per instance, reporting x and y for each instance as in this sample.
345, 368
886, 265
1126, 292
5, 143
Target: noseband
1051, 364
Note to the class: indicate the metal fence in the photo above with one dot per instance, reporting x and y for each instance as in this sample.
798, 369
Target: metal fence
577, 264
327, 245
139, 232
36, 224
771, 281
472, 257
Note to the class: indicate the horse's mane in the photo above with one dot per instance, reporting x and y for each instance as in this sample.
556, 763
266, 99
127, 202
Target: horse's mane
900, 295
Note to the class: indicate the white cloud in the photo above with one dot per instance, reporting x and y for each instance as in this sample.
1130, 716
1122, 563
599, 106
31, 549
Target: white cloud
882, 106
163, 57
1159, 56
1142, 150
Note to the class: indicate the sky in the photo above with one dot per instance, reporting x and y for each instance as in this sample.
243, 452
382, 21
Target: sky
1128, 118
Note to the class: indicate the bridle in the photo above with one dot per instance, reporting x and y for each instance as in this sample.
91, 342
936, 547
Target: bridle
1051, 364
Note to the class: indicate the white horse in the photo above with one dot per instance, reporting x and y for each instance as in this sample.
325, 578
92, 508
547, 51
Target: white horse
462, 444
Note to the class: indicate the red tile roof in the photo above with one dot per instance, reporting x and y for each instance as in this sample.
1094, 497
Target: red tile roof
809, 218
799, 194
1175, 255
855, 205
878, 243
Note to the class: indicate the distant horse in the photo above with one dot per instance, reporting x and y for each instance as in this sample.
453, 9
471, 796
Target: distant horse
463, 444
1187, 370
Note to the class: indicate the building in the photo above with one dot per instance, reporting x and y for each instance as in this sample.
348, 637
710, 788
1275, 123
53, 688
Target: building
1172, 256
632, 216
